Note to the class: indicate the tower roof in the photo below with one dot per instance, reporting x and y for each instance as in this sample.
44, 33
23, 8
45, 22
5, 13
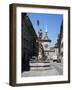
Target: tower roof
45, 37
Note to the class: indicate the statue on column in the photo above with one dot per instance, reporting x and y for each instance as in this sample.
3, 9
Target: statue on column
40, 50
40, 34
40, 53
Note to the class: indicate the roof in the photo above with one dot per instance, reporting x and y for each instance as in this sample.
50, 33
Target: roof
45, 38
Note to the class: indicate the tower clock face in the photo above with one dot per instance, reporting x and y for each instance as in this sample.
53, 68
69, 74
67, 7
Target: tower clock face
46, 45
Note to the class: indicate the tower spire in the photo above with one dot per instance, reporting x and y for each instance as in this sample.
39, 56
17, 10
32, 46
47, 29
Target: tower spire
46, 34
46, 29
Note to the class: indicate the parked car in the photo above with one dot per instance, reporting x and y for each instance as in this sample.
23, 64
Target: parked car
59, 59
55, 58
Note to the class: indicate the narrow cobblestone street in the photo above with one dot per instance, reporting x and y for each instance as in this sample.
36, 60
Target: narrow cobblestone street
54, 69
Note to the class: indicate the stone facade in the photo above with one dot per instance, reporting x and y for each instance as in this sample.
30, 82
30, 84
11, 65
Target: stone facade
45, 42
29, 44
56, 52
59, 44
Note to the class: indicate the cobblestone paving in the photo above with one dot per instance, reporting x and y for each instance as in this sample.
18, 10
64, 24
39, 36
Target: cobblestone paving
54, 69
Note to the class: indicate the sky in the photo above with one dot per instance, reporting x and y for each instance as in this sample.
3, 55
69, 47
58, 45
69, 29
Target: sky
51, 21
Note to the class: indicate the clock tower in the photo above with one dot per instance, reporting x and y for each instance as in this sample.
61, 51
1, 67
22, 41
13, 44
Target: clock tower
45, 41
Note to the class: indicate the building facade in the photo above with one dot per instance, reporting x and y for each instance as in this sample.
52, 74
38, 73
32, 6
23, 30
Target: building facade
56, 52
45, 43
51, 53
29, 44
59, 44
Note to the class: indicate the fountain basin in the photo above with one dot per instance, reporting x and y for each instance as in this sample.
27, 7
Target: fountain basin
39, 66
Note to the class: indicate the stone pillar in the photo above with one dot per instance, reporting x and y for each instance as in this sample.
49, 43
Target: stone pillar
40, 53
